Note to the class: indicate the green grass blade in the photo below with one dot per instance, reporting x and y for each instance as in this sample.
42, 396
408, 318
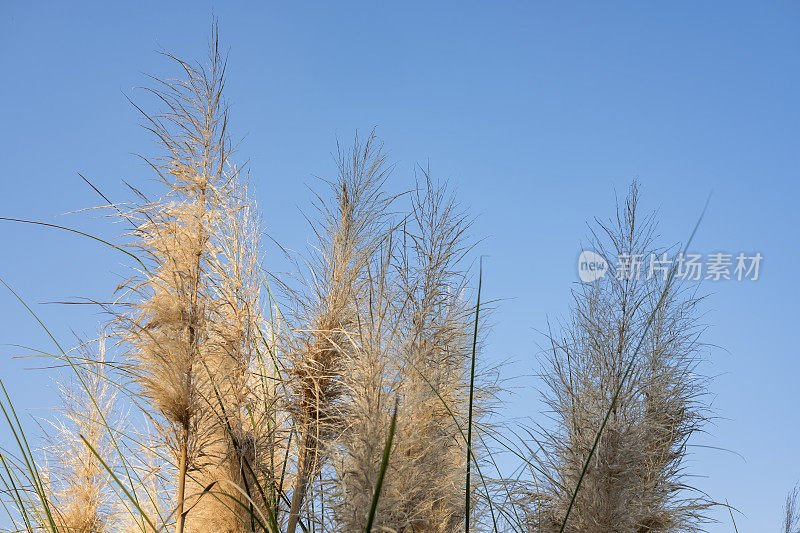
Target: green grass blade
27, 455
471, 396
120, 484
387, 450
15, 492
56, 226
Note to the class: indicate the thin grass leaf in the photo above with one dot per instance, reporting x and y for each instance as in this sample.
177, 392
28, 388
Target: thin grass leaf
121, 485
471, 392
27, 455
14, 490
387, 450
98, 239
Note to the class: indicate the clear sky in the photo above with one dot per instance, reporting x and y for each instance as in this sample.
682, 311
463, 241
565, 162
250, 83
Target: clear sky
536, 113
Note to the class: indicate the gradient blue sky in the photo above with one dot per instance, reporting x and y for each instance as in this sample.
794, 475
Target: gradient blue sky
536, 113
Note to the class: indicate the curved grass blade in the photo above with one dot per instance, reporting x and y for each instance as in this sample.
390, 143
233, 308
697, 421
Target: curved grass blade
119, 483
56, 226
471, 396
11, 488
384, 464
27, 455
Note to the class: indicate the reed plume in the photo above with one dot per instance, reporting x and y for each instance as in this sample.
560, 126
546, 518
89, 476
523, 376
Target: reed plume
196, 310
412, 346
351, 227
80, 495
634, 481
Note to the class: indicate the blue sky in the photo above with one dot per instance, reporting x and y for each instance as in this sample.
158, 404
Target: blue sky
537, 113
